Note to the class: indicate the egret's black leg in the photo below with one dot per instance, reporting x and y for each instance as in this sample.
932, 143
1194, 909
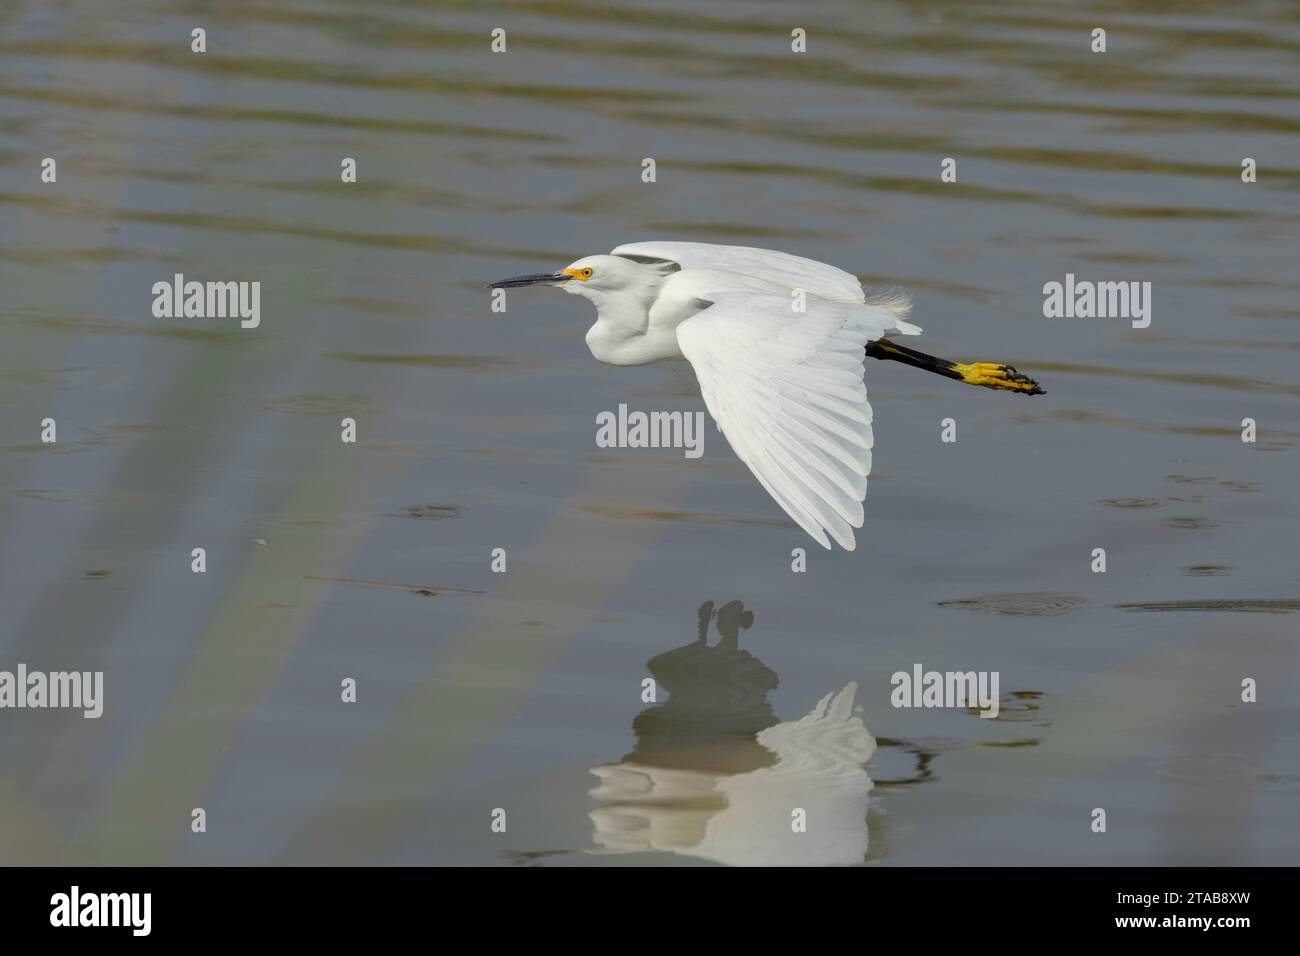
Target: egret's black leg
987, 374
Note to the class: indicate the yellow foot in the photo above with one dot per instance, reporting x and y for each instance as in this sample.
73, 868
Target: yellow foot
996, 375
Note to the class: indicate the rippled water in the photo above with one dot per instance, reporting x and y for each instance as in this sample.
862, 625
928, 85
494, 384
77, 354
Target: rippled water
523, 691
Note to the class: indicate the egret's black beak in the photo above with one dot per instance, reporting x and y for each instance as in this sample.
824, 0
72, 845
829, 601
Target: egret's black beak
541, 278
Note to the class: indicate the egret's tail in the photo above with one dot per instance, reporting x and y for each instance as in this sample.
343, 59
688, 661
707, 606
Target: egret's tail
988, 374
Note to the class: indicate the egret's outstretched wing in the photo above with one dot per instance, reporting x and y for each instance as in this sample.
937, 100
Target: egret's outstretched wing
793, 272
786, 389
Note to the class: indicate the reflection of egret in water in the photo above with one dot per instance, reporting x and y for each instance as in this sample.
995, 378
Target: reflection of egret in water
717, 702
715, 774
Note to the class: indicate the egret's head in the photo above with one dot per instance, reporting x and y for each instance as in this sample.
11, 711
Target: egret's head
590, 276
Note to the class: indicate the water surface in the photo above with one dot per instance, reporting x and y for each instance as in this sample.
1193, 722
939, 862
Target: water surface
523, 691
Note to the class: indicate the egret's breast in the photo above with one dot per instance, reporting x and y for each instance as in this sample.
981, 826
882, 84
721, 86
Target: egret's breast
615, 345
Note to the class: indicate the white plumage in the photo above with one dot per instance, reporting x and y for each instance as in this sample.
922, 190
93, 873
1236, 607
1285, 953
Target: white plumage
766, 265
776, 342
789, 396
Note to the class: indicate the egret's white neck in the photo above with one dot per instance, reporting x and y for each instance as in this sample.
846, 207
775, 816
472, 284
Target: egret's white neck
622, 334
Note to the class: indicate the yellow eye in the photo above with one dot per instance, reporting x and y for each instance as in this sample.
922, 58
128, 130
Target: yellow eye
584, 273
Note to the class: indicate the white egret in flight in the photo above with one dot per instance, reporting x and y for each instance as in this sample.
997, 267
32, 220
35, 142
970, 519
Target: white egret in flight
777, 343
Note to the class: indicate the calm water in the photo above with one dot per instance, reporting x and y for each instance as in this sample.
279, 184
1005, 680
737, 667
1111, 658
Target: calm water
523, 691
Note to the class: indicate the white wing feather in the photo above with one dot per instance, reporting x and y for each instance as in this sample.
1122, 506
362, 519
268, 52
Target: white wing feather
786, 389
793, 272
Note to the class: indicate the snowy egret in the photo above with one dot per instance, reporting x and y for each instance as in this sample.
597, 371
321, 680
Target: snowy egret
777, 343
